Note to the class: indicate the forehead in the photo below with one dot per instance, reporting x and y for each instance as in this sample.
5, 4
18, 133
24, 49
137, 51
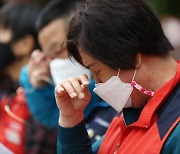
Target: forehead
86, 58
53, 33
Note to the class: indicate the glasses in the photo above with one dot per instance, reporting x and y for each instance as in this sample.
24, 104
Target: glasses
56, 49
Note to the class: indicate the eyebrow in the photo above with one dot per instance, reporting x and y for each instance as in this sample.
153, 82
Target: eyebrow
90, 65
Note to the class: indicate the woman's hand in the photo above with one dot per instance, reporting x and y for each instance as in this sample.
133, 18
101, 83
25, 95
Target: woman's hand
72, 96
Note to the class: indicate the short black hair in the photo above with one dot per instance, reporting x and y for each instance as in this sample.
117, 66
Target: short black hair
56, 9
20, 18
114, 31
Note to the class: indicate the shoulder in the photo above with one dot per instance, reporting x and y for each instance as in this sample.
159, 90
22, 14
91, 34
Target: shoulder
172, 144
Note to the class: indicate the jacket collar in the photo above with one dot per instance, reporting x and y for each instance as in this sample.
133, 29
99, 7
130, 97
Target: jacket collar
143, 117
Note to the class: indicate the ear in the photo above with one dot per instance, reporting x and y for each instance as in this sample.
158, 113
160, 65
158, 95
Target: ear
138, 60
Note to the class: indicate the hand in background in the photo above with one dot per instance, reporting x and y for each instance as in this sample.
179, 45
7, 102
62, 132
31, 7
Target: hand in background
38, 69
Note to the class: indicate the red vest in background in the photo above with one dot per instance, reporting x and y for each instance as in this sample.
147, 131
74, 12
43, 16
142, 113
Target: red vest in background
13, 116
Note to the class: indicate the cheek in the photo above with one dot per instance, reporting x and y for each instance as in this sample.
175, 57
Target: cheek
101, 77
17, 49
106, 75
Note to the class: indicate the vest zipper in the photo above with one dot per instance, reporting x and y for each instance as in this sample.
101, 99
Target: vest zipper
117, 147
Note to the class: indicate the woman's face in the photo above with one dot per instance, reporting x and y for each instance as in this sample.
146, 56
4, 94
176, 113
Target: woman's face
20, 48
102, 73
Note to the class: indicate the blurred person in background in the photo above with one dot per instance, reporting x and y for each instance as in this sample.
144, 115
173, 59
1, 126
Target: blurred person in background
4, 2
17, 41
169, 14
53, 64
166, 8
18, 1
171, 27
1, 3
40, 3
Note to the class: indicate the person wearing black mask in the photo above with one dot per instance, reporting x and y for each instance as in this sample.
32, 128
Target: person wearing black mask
6, 58
6, 54
17, 40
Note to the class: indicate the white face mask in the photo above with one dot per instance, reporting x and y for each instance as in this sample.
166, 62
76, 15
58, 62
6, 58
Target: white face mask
62, 69
115, 92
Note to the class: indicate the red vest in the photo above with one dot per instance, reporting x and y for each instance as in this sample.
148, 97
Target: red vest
144, 135
11, 127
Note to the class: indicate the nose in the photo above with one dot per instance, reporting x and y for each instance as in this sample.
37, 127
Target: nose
96, 79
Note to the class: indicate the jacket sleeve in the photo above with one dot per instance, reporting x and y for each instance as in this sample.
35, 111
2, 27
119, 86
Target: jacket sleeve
74, 140
41, 101
172, 144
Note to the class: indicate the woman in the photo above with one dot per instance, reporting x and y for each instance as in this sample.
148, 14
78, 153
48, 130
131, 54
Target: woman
122, 43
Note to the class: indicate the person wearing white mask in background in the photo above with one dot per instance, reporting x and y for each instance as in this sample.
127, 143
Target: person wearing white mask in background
71, 68
123, 44
51, 66
171, 27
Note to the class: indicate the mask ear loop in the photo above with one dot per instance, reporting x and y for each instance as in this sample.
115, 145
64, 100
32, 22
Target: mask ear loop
140, 88
134, 75
118, 72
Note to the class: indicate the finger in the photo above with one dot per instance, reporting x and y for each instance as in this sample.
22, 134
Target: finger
87, 95
69, 88
77, 87
60, 91
37, 56
84, 101
41, 72
84, 81
48, 60
34, 55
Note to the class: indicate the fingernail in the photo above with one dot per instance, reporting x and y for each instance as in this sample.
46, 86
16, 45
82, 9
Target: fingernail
86, 82
81, 95
59, 89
